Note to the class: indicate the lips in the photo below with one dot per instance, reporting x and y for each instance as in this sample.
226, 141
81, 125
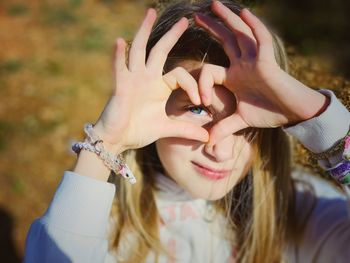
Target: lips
210, 173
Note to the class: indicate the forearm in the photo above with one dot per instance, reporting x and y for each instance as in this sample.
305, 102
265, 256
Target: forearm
294, 94
322, 132
89, 164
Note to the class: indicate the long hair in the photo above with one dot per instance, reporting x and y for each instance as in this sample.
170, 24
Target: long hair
259, 209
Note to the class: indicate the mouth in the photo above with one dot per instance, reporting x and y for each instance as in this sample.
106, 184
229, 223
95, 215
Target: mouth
210, 173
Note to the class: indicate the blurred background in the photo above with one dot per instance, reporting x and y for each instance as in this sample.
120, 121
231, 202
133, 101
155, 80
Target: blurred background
55, 75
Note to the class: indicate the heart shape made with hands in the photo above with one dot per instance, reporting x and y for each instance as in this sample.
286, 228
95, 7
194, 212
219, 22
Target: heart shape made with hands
293, 101
266, 95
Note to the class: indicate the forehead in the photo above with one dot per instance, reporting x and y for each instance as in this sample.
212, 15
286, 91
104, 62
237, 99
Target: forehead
223, 100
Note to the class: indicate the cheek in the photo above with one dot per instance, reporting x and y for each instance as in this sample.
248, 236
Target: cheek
171, 152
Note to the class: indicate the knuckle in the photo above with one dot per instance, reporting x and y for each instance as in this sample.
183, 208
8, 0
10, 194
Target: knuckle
179, 69
226, 17
267, 36
207, 70
205, 67
221, 129
158, 49
181, 130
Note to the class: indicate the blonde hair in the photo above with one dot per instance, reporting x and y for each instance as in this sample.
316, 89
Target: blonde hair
260, 208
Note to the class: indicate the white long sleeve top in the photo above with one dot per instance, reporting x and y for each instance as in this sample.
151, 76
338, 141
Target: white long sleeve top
75, 227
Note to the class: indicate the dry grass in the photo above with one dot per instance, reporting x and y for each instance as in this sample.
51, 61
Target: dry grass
55, 76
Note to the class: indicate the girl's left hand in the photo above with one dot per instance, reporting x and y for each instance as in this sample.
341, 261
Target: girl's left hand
266, 96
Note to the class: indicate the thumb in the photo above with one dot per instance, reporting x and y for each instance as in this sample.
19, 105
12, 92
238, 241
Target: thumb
187, 130
226, 127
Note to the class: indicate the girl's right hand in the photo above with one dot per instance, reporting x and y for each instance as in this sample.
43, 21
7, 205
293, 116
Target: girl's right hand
135, 114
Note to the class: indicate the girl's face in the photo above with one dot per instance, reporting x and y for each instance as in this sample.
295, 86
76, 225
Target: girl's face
188, 162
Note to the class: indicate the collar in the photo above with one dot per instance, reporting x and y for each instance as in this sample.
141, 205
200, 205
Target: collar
170, 190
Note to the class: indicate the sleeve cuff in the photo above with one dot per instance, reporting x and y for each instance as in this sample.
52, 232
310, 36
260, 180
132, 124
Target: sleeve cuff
81, 205
322, 132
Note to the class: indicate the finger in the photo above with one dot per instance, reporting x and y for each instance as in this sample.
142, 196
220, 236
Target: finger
180, 78
183, 129
222, 34
261, 34
137, 54
160, 51
225, 127
245, 38
209, 76
119, 55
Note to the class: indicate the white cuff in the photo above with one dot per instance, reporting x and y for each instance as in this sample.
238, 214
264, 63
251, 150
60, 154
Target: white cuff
322, 132
81, 205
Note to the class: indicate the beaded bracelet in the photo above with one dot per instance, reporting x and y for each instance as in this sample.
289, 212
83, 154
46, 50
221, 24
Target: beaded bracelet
341, 172
94, 144
338, 147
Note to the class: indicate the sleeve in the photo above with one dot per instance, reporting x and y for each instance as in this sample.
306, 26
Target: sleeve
326, 236
327, 231
322, 132
74, 227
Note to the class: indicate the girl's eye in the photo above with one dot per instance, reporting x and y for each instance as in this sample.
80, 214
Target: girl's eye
198, 110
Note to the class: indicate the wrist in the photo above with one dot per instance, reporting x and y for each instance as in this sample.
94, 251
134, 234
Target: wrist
112, 161
298, 101
110, 143
90, 165
321, 106
322, 132
318, 108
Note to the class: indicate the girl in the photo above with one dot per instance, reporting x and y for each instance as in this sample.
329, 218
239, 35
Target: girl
199, 112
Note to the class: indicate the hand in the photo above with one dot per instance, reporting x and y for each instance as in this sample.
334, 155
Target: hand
135, 114
266, 96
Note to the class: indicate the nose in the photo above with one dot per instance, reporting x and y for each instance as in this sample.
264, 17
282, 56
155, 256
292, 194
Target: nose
223, 149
